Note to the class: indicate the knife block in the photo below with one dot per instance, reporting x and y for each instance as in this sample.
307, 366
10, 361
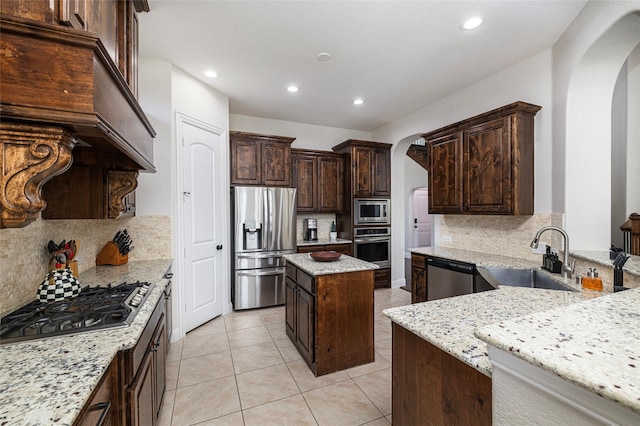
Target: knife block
109, 255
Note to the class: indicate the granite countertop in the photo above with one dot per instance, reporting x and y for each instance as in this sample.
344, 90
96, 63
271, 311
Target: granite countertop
322, 242
48, 381
631, 266
343, 264
594, 344
450, 323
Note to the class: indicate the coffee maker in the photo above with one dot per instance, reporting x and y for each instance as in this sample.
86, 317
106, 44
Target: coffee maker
310, 228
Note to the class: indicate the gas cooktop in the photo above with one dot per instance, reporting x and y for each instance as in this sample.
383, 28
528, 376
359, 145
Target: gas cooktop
94, 308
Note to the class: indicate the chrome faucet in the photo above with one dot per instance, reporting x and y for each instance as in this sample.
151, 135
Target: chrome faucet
566, 268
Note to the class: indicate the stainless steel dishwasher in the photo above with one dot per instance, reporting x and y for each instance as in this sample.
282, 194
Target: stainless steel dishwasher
448, 278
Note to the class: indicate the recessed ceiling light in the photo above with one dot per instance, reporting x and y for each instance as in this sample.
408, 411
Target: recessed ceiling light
324, 57
358, 101
472, 23
292, 88
211, 73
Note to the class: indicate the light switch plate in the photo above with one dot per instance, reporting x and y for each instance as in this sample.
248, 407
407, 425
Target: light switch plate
447, 239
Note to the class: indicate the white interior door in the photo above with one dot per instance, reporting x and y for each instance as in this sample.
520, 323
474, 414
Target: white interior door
203, 231
422, 220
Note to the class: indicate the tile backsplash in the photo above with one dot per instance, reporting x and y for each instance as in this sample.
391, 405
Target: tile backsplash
502, 235
324, 224
24, 258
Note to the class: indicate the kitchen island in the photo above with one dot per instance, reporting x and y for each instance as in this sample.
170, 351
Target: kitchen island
49, 381
329, 311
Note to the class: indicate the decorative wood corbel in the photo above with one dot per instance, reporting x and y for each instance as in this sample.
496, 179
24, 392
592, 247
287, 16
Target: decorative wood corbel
31, 154
120, 183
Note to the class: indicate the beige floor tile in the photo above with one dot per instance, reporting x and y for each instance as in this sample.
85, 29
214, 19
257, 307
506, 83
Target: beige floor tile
248, 337
288, 350
195, 403
172, 370
241, 320
380, 363
288, 411
234, 419
175, 351
389, 419
382, 421
272, 315
384, 348
205, 368
341, 404
277, 330
307, 381
255, 357
214, 326
166, 410
380, 332
265, 385
195, 346
377, 387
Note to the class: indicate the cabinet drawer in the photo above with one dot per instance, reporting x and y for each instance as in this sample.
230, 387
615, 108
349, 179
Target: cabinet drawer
291, 271
306, 281
418, 261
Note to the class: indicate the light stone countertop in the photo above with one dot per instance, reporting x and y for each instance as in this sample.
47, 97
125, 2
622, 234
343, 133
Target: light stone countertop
594, 344
48, 381
450, 323
343, 264
631, 266
322, 242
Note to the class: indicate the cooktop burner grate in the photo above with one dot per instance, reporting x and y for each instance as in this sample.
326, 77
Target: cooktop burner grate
94, 308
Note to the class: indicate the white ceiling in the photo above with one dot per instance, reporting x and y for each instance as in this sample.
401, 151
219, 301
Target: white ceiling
397, 55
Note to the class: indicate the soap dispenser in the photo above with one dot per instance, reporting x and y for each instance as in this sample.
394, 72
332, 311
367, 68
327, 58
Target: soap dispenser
592, 281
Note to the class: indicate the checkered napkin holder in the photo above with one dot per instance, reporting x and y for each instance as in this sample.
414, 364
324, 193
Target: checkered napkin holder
59, 284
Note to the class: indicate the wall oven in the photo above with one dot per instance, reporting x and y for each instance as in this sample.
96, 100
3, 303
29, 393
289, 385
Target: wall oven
373, 245
368, 211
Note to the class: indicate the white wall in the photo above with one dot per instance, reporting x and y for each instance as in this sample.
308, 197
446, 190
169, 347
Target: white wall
414, 177
633, 132
308, 136
528, 81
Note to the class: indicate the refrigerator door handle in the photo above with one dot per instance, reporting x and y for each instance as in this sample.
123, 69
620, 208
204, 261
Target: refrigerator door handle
261, 272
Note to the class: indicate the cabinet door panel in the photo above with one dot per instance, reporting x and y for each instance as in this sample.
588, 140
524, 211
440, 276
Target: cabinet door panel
382, 174
487, 167
305, 326
418, 285
74, 13
246, 163
276, 160
290, 307
445, 191
159, 354
362, 168
305, 179
141, 395
330, 185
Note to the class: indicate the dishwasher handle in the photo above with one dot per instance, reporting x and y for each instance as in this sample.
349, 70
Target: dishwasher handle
452, 265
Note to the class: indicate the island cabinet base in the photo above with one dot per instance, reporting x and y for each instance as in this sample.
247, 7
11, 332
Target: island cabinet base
330, 318
431, 387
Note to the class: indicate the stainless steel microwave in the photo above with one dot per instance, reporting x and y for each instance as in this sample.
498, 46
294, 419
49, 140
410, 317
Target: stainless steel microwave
368, 211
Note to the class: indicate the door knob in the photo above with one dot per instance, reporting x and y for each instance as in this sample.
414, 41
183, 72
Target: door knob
219, 247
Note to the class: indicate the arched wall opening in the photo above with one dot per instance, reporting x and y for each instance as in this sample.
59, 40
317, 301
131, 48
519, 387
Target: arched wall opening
589, 124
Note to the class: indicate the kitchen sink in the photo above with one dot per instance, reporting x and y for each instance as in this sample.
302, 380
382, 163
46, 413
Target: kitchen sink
531, 278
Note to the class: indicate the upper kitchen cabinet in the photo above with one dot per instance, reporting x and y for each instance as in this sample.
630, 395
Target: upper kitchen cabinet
260, 159
368, 168
69, 81
484, 165
318, 177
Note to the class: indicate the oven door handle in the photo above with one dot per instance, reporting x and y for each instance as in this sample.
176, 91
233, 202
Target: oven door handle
371, 240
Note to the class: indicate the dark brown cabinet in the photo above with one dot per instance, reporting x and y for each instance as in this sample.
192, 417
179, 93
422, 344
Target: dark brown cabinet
102, 406
418, 278
329, 318
318, 177
144, 371
485, 164
260, 159
368, 171
340, 248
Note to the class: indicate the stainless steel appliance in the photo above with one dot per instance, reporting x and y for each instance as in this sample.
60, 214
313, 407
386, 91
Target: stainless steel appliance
264, 229
369, 211
310, 229
94, 308
448, 278
373, 245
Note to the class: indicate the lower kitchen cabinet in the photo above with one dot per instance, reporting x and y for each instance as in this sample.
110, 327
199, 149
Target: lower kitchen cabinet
340, 248
418, 278
329, 318
144, 371
382, 278
432, 387
102, 407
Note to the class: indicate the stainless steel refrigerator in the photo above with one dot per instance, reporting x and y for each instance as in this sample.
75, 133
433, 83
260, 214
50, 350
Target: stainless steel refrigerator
264, 229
